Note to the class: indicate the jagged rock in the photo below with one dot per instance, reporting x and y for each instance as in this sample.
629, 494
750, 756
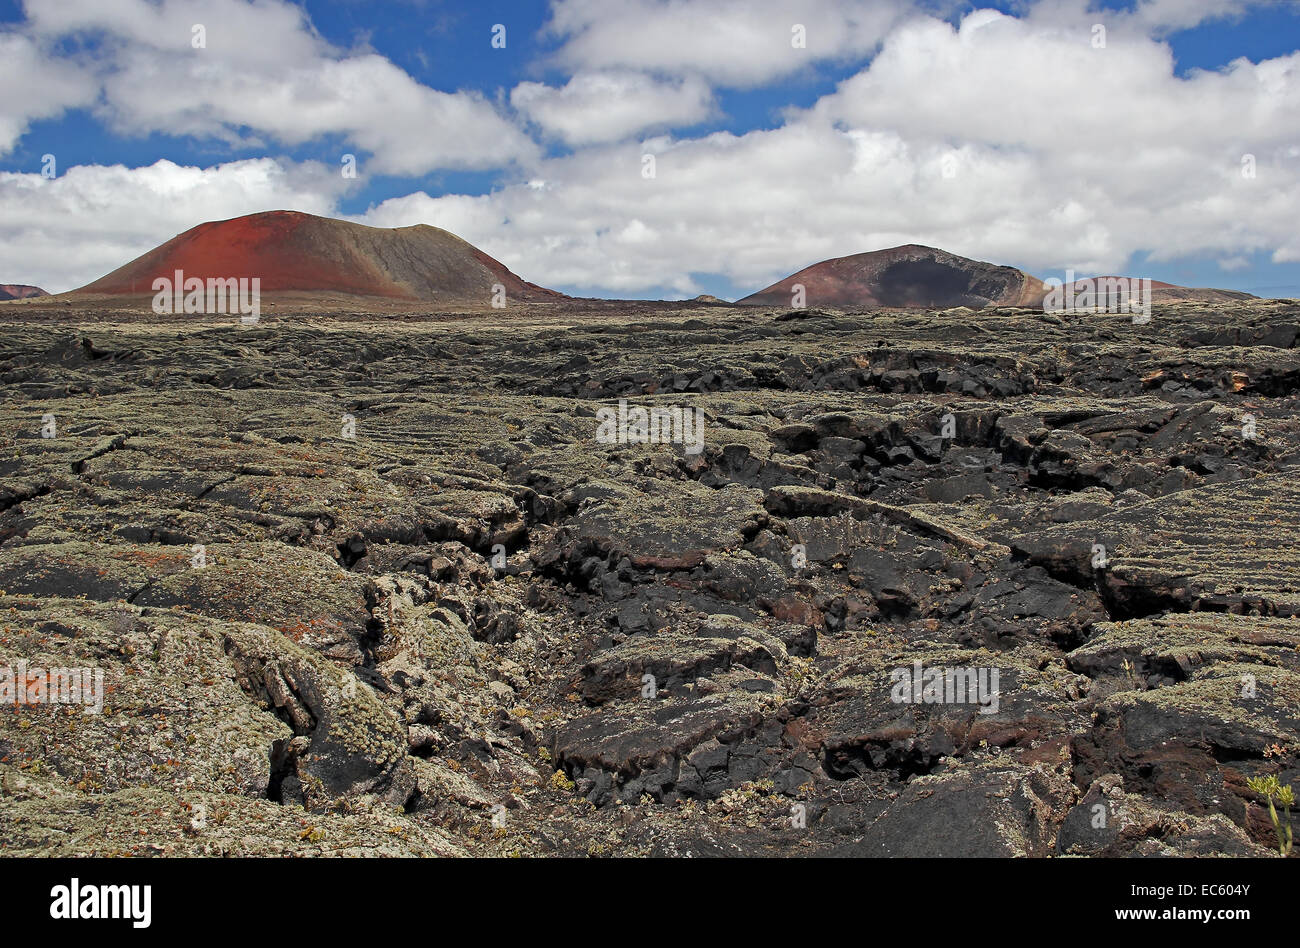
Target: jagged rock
430, 596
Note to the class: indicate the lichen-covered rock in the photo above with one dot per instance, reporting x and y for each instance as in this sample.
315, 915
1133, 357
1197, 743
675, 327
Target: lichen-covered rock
40, 818
377, 588
173, 713
200, 704
355, 745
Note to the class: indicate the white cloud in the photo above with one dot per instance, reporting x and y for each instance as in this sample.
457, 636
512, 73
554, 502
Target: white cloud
245, 34
32, 86
1000, 80
1008, 140
753, 207
1153, 161
264, 69
1156, 17
730, 42
112, 214
600, 107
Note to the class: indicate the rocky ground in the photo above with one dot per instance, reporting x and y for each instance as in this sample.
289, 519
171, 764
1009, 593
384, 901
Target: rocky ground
373, 586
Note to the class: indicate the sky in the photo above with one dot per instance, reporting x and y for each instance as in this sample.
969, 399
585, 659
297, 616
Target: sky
665, 148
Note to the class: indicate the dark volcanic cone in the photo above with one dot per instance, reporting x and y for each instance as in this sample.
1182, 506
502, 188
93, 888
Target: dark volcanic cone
911, 275
288, 250
19, 291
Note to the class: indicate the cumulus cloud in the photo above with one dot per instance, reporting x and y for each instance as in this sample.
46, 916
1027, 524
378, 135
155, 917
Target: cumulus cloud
1006, 139
1060, 94
263, 70
730, 42
603, 107
752, 207
32, 86
1118, 145
1153, 17
70, 230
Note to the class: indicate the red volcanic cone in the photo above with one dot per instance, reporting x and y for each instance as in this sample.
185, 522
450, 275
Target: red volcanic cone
288, 250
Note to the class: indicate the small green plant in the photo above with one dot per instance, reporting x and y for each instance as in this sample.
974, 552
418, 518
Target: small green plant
1269, 788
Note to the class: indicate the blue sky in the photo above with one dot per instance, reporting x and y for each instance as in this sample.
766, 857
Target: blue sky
764, 169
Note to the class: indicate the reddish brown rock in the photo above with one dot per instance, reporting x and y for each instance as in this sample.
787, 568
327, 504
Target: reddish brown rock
291, 251
20, 291
905, 276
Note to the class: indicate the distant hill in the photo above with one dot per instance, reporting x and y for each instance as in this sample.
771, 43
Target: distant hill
19, 291
1173, 293
911, 275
